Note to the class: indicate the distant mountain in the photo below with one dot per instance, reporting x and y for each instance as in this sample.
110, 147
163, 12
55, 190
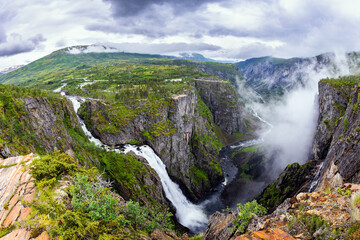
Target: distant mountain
201, 58
269, 74
195, 57
10, 69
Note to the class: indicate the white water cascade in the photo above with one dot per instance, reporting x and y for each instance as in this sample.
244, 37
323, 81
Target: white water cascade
316, 179
257, 141
248, 143
189, 215
60, 88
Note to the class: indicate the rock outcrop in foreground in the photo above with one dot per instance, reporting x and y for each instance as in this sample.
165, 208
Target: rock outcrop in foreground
17, 188
324, 214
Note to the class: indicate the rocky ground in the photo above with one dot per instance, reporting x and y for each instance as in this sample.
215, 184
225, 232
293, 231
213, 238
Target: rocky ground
17, 188
324, 214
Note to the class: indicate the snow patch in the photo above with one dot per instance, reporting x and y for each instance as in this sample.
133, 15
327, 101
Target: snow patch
91, 49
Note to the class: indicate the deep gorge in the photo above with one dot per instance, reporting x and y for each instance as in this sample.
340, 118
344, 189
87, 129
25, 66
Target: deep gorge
214, 142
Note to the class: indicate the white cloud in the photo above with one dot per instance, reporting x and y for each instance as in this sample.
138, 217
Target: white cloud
15, 44
242, 29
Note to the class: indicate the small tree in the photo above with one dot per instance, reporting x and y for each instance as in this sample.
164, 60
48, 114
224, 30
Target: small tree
246, 212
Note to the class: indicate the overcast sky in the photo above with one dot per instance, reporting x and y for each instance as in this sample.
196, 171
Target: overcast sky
221, 29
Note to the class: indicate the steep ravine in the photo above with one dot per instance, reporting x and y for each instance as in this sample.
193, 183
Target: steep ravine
185, 115
331, 174
181, 131
334, 158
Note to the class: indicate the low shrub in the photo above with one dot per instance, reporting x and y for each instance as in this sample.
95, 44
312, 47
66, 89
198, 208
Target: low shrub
246, 212
52, 166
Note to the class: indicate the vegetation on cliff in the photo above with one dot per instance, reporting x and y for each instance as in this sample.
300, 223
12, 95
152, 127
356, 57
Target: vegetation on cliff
77, 203
16, 131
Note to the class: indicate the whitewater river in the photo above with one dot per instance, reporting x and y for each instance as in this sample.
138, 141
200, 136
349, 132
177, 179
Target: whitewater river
192, 216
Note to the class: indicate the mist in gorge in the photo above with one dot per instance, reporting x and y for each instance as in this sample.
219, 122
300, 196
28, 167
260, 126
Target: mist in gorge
288, 121
292, 119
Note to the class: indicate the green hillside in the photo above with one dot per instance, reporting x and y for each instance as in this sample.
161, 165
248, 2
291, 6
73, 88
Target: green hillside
48, 71
61, 63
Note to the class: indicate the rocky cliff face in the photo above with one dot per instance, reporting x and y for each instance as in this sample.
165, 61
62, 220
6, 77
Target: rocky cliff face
227, 110
335, 154
181, 132
332, 102
40, 124
268, 75
47, 120
340, 149
147, 183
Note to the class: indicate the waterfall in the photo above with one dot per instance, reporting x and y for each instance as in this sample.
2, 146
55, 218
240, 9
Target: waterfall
60, 88
189, 215
76, 101
249, 143
316, 179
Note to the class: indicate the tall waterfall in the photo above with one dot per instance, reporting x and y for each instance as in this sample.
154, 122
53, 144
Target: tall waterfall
189, 215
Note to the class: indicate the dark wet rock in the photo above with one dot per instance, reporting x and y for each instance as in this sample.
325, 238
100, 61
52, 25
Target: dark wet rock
220, 226
255, 224
342, 161
5, 152
295, 178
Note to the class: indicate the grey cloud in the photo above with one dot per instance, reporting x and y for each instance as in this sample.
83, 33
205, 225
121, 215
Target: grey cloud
256, 49
129, 29
4, 17
61, 43
126, 8
278, 23
2, 35
15, 44
154, 19
36, 39
163, 48
140, 17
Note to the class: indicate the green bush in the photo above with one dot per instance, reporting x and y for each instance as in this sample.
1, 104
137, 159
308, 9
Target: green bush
52, 166
94, 199
246, 212
146, 218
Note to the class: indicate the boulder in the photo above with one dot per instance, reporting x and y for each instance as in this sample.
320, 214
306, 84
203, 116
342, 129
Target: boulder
220, 226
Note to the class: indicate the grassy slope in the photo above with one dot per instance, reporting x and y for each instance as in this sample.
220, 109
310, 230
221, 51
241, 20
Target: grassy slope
62, 62
59, 64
